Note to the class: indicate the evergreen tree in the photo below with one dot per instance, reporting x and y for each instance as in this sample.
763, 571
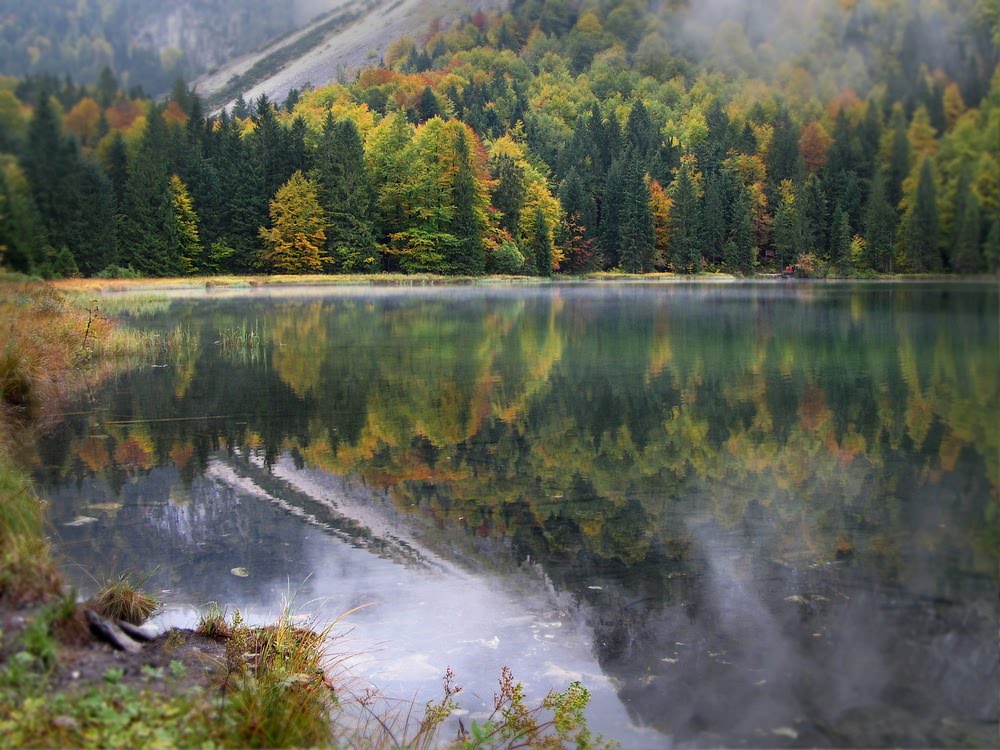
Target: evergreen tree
294, 243
609, 229
741, 254
840, 241
96, 245
147, 216
922, 234
991, 248
428, 106
813, 215
346, 196
509, 193
719, 191
636, 232
116, 167
541, 250
185, 231
899, 158
685, 234
269, 146
880, 226
466, 225
239, 202
787, 236
966, 251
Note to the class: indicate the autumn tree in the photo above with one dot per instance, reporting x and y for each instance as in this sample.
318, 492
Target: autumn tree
185, 228
295, 241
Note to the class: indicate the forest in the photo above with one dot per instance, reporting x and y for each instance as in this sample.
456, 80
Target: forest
847, 138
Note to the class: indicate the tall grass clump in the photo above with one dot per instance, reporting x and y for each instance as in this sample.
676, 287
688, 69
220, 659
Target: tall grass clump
245, 342
27, 569
121, 599
276, 693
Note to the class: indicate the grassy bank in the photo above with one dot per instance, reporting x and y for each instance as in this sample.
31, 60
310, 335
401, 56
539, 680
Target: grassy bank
222, 685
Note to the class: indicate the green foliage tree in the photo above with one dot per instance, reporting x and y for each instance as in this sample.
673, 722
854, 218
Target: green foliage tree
346, 196
541, 250
685, 230
741, 253
787, 234
467, 226
880, 225
922, 226
146, 222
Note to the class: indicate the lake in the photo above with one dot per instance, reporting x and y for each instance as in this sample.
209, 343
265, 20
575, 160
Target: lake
743, 514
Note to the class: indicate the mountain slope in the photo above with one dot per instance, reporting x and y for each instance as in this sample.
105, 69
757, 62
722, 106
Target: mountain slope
352, 34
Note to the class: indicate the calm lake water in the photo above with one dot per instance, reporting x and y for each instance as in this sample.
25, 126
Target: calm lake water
742, 514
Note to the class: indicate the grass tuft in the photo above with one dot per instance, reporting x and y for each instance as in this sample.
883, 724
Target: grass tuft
120, 599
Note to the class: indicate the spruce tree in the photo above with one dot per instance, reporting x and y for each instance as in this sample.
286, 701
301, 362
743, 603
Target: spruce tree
899, 158
787, 234
685, 237
577, 234
346, 197
509, 193
880, 226
840, 241
991, 248
466, 225
741, 254
541, 250
609, 229
965, 248
147, 213
715, 215
636, 232
922, 235
813, 215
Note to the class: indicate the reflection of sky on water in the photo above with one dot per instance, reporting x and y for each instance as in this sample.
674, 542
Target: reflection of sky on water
409, 618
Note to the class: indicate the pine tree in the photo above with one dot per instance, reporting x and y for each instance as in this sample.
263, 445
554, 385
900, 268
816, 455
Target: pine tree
922, 234
813, 215
609, 229
147, 213
715, 215
294, 243
466, 225
685, 230
185, 231
840, 241
899, 158
787, 236
880, 225
636, 232
509, 193
541, 250
991, 248
116, 167
347, 198
428, 106
741, 254
966, 251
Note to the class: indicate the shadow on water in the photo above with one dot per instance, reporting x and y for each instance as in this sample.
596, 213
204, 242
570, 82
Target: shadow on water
746, 515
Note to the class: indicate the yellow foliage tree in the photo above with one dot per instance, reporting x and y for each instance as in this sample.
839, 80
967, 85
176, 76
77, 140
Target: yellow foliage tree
295, 241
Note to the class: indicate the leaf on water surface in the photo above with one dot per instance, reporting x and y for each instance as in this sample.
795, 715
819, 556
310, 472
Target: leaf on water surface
240, 572
80, 521
786, 732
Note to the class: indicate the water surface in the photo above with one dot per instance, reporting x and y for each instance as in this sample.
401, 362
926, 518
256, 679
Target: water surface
743, 514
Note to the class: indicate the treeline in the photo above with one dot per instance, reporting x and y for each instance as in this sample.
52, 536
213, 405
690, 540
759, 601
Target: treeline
551, 138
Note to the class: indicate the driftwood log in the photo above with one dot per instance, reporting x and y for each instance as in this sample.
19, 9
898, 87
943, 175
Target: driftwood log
107, 631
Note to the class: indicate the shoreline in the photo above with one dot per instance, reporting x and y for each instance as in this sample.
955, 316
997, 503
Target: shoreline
249, 282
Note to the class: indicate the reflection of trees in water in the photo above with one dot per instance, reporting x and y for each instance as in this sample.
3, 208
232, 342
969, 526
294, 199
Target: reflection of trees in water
591, 428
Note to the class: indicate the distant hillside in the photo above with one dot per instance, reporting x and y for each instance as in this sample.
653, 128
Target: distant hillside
353, 34
144, 42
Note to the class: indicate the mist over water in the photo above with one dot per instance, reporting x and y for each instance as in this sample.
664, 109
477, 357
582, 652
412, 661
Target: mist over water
742, 514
